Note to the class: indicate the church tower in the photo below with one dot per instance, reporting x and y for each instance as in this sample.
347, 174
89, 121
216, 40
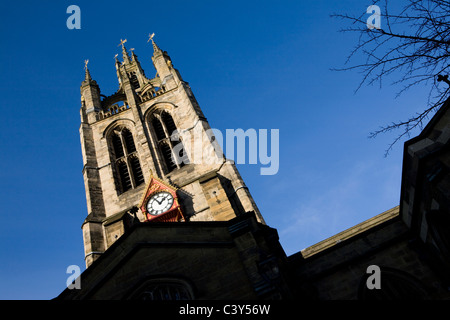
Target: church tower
148, 150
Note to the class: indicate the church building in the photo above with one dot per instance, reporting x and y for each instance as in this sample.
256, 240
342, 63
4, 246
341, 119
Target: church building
162, 225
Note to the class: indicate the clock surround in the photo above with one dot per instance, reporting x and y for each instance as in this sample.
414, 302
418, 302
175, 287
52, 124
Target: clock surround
160, 202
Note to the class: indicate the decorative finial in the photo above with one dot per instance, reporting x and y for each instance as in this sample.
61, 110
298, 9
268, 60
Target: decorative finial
155, 47
115, 56
126, 58
122, 42
133, 55
87, 75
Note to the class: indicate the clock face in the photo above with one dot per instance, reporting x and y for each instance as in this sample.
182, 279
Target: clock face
159, 203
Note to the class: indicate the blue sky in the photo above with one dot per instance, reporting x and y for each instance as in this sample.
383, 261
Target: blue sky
251, 64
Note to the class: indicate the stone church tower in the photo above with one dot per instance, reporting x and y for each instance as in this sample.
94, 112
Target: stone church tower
144, 186
129, 142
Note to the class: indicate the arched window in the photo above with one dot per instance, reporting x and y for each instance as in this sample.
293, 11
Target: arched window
167, 155
395, 285
117, 144
159, 131
128, 172
134, 80
168, 143
163, 289
124, 175
129, 142
168, 122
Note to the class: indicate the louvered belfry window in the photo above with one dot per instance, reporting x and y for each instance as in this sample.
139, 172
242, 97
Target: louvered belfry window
134, 80
128, 172
164, 127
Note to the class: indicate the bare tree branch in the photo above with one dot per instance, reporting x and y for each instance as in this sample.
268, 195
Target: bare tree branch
412, 50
